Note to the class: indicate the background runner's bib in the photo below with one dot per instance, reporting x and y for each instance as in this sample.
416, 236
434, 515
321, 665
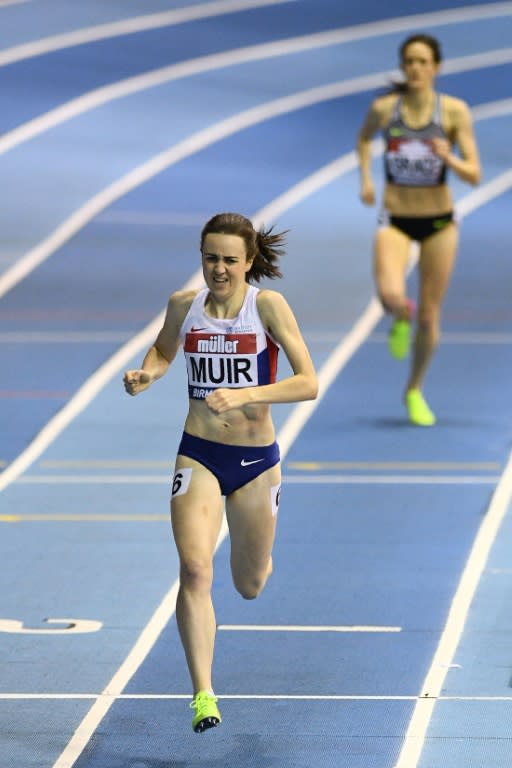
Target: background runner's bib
234, 352
408, 157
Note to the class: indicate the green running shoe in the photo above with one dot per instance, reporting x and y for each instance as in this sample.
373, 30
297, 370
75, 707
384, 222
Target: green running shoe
418, 410
399, 337
207, 713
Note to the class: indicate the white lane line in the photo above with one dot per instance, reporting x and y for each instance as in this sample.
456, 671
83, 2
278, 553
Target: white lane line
236, 696
309, 479
199, 141
205, 10
391, 479
304, 628
186, 696
445, 652
130, 26
5, 3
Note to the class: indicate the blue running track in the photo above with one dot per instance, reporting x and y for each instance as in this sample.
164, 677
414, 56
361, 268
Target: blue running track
383, 637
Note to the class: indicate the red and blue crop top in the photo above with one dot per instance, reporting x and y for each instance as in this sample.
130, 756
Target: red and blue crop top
231, 353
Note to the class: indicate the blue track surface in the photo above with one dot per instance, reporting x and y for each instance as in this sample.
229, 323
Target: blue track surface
379, 521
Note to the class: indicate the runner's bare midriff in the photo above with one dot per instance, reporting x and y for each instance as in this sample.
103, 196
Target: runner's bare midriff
417, 201
250, 425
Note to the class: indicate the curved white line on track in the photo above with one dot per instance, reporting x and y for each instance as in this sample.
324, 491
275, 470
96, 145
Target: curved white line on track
205, 10
204, 138
5, 3
130, 26
156, 77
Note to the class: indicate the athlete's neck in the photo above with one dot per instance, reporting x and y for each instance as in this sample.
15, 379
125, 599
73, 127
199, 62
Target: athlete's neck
225, 307
417, 108
419, 100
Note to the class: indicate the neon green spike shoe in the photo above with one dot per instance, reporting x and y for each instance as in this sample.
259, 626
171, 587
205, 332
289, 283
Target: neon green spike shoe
399, 339
207, 713
418, 410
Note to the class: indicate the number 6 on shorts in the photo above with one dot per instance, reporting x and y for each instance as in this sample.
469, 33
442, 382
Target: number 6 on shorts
181, 481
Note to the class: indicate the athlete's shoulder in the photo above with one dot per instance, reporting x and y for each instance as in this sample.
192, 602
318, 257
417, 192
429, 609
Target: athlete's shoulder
272, 307
386, 100
180, 299
456, 112
454, 105
179, 304
266, 297
383, 107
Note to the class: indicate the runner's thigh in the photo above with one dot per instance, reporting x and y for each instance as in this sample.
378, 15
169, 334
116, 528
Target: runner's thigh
391, 255
251, 514
196, 507
436, 262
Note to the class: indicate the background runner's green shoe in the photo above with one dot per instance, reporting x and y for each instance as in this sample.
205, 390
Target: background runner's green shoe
418, 410
399, 339
207, 713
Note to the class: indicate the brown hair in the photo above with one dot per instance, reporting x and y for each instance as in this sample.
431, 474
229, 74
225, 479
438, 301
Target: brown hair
428, 40
263, 246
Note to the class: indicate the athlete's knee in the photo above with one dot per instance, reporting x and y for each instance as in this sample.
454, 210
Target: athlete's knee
249, 586
388, 300
392, 302
196, 574
386, 303
428, 320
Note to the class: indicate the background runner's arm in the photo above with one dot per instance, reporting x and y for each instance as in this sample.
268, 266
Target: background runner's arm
370, 126
467, 166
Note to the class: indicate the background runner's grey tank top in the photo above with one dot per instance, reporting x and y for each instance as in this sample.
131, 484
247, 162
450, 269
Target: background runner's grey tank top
408, 157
